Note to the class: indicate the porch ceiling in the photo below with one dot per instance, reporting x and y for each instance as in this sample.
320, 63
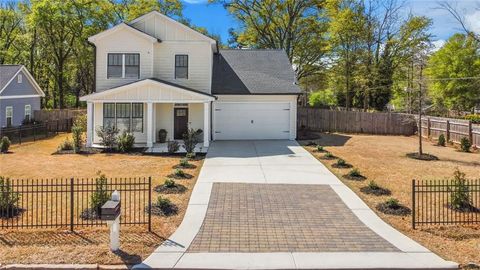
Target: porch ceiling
150, 90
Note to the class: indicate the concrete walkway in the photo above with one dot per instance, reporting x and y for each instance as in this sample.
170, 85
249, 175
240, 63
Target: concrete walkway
272, 205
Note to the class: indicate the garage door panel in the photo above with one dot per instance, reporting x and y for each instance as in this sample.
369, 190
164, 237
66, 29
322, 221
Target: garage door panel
250, 121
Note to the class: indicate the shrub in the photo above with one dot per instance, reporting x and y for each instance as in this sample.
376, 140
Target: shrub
190, 140
8, 198
172, 147
190, 155
66, 145
169, 183
179, 173
373, 185
81, 122
320, 148
465, 144
460, 196
392, 203
77, 138
4, 144
125, 142
100, 196
341, 163
474, 118
441, 140
329, 155
163, 207
184, 162
108, 136
354, 173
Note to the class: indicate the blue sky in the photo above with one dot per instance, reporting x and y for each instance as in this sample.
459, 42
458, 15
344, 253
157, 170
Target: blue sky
217, 20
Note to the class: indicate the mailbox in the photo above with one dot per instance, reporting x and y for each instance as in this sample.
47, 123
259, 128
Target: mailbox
110, 210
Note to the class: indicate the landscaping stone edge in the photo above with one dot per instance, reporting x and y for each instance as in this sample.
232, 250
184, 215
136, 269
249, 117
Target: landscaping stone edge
63, 266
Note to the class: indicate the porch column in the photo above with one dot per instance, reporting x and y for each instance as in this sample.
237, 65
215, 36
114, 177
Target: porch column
149, 124
206, 124
89, 124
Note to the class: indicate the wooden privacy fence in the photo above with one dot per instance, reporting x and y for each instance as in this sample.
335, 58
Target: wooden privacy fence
36, 131
67, 203
356, 122
434, 201
59, 114
453, 129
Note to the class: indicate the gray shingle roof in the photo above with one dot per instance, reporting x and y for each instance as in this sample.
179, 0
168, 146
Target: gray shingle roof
6, 73
253, 72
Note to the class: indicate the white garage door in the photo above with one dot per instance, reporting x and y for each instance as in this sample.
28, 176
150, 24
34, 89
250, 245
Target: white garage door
251, 121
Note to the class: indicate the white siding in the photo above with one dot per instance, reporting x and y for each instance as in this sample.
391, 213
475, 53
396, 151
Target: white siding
164, 119
200, 58
122, 42
195, 116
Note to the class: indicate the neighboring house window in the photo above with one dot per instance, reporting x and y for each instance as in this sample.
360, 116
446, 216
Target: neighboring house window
137, 117
9, 115
19, 78
108, 115
124, 116
123, 65
181, 66
28, 113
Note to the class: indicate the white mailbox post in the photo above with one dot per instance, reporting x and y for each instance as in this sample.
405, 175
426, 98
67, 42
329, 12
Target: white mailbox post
111, 213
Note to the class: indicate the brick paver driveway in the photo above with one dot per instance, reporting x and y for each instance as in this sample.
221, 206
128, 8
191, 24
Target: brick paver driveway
271, 205
282, 218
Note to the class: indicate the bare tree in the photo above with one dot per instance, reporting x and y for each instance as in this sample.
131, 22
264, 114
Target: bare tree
459, 16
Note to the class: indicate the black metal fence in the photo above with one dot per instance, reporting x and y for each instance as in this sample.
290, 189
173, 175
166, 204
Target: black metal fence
445, 202
33, 132
69, 203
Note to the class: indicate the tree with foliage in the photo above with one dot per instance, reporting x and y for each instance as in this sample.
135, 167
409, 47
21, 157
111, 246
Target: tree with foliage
323, 99
459, 61
295, 26
11, 32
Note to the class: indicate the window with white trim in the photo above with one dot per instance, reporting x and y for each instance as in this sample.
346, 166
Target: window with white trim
28, 113
181, 66
124, 116
9, 116
123, 65
19, 78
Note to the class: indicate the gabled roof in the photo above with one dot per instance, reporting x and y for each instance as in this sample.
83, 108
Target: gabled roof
156, 13
143, 84
253, 72
9, 72
122, 26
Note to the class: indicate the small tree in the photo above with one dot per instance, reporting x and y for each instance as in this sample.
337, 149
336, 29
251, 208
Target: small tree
77, 132
8, 198
172, 147
190, 140
81, 121
460, 196
100, 196
441, 140
465, 144
125, 142
108, 136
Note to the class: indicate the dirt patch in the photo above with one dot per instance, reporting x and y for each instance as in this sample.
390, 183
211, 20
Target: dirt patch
424, 157
398, 210
383, 159
376, 191
178, 188
90, 245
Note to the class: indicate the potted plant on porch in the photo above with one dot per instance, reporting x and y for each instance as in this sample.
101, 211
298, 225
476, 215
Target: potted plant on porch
162, 135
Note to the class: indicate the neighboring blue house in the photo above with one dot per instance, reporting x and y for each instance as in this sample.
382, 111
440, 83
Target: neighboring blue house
19, 95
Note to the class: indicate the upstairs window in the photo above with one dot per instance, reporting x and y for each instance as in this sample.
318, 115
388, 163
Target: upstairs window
181, 66
123, 65
19, 78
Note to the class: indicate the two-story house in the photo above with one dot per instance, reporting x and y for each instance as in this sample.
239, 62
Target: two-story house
155, 73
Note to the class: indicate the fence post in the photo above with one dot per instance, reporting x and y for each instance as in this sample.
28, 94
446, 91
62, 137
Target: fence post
149, 203
448, 131
34, 135
429, 125
470, 132
71, 204
19, 136
56, 133
413, 204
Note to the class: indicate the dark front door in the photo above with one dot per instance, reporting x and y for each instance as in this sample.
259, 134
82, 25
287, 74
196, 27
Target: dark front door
180, 122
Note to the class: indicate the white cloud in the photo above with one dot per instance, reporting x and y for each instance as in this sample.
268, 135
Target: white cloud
473, 21
438, 44
196, 1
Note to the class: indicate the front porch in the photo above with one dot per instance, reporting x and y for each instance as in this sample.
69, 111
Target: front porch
147, 107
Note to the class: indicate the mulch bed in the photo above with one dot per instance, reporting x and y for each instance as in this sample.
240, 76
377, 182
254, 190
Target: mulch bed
11, 212
465, 209
425, 157
189, 166
165, 211
177, 177
328, 158
354, 178
397, 211
375, 191
345, 166
178, 188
